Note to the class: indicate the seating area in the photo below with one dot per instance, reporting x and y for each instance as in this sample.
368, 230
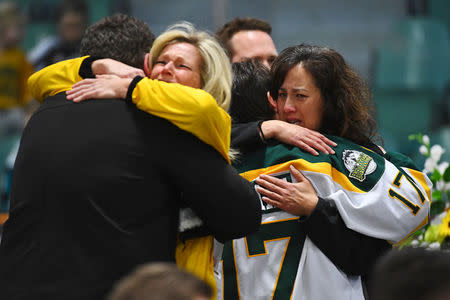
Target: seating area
411, 82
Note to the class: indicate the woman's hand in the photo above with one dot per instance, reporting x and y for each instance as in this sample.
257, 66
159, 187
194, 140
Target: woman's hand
103, 86
114, 67
298, 198
306, 139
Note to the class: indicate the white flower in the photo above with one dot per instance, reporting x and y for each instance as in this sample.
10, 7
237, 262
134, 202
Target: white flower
446, 187
423, 150
415, 243
426, 139
440, 185
434, 245
442, 167
436, 152
429, 165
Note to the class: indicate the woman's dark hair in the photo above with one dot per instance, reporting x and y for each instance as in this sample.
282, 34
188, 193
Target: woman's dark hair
249, 92
348, 109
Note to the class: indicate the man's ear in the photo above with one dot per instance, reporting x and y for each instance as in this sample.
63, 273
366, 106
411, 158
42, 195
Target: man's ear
272, 102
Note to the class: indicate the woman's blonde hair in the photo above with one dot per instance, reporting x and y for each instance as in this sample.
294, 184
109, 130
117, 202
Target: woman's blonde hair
216, 67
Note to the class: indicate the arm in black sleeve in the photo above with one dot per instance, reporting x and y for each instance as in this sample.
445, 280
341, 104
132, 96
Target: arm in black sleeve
227, 203
352, 252
86, 67
245, 137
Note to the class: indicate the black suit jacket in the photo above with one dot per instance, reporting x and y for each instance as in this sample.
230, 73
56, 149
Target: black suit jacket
96, 192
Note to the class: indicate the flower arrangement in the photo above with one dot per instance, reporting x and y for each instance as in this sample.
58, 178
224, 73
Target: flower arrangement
436, 234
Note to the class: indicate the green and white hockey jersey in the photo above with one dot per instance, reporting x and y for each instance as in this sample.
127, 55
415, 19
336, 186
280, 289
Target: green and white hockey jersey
379, 198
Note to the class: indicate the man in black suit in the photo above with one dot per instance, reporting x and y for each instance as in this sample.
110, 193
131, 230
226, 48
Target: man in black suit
96, 188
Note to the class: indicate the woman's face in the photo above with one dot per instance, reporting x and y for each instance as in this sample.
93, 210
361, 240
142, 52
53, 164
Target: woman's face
179, 63
299, 99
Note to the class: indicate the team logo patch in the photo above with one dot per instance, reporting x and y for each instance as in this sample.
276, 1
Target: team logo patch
358, 164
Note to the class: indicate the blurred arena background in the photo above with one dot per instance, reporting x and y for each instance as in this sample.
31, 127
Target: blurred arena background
401, 47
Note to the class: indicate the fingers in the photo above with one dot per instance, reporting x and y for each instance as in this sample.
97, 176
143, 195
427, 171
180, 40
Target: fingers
81, 94
271, 182
319, 142
272, 202
269, 194
268, 188
81, 91
271, 198
304, 146
327, 141
329, 149
297, 174
311, 144
310, 141
84, 82
321, 145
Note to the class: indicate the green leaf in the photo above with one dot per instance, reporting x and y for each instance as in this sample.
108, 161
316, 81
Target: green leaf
437, 207
432, 234
436, 176
436, 195
446, 175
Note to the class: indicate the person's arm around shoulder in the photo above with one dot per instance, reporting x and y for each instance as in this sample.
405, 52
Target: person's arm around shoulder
246, 137
55, 78
250, 136
61, 76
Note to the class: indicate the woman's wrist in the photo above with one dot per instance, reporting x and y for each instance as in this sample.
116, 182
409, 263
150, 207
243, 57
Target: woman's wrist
269, 128
261, 133
130, 88
123, 86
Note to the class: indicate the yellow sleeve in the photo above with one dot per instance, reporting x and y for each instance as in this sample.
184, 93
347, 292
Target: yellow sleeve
192, 110
55, 78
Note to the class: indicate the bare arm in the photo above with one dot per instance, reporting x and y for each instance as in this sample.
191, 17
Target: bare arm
298, 136
248, 137
114, 67
102, 87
